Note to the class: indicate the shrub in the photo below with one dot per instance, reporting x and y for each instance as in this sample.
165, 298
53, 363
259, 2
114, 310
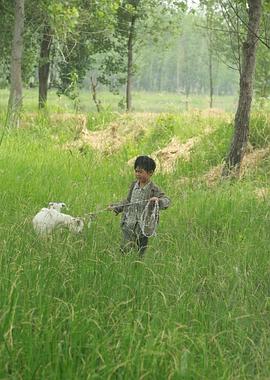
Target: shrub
259, 129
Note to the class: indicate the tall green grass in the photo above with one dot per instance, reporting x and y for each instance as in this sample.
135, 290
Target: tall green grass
71, 307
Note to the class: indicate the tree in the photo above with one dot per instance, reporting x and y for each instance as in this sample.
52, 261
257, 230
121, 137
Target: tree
241, 122
7, 25
131, 35
58, 21
134, 15
44, 64
92, 41
209, 17
128, 14
191, 48
178, 61
262, 74
15, 97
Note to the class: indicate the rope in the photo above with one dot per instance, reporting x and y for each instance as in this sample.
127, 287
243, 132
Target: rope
148, 220
118, 205
92, 215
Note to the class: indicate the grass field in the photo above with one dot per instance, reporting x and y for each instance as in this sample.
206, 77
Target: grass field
142, 102
197, 306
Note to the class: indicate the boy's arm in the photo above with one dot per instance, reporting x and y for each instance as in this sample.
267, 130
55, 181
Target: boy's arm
119, 206
163, 201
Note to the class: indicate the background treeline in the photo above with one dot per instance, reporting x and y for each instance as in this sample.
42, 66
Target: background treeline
149, 45
174, 60
179, 63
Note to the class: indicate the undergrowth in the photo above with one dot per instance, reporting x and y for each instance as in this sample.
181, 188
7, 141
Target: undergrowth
72, 307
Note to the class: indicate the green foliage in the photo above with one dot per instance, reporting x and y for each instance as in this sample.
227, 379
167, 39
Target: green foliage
69, 87
94, 46
111, 65
260, 129
178, 61
7, 23
213, 148
60, 19
63, 18
212, 145
99, 121
163, 130
262, 75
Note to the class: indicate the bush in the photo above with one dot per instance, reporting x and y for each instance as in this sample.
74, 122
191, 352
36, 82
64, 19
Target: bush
259, 129
99, 120
163, 131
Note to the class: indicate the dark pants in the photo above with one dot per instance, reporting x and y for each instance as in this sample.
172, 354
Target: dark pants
133, 238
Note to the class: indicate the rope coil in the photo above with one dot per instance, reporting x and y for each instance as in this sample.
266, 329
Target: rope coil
149, 219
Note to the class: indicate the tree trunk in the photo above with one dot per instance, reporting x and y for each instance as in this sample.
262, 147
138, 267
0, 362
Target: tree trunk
211, 89
210, 54
130, 64
15, 96
177, 75
44, 66
94, 85
241, 122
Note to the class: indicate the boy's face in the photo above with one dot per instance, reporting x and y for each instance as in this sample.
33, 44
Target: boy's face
142, 175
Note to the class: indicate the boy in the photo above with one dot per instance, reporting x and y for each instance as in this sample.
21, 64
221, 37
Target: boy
141, 191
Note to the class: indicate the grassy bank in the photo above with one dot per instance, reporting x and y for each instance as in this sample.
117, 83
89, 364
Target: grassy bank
197, 306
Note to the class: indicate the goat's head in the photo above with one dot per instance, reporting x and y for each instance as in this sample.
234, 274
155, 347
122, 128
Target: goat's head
57, 205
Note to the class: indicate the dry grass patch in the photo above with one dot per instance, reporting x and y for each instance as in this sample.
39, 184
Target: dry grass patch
262, 193
117, 133
210, 113
251, 161
79, 120
166, 158
31, 118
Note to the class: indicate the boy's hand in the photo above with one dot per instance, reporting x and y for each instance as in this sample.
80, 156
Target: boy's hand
112, 208
153, 199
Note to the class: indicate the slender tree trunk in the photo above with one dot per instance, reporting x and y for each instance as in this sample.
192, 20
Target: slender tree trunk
187, 92
15, 96
210, 47
151, 81
44, 66
211, 93
94, 85
177, 74
210, 53
130, 64
241, 122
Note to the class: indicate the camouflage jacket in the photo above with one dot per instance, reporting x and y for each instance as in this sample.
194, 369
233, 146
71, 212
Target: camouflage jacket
131, 213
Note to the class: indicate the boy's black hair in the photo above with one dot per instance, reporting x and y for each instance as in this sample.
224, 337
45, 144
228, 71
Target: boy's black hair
146, 163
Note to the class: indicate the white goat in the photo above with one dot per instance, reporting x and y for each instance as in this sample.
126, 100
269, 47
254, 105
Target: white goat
49, 219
